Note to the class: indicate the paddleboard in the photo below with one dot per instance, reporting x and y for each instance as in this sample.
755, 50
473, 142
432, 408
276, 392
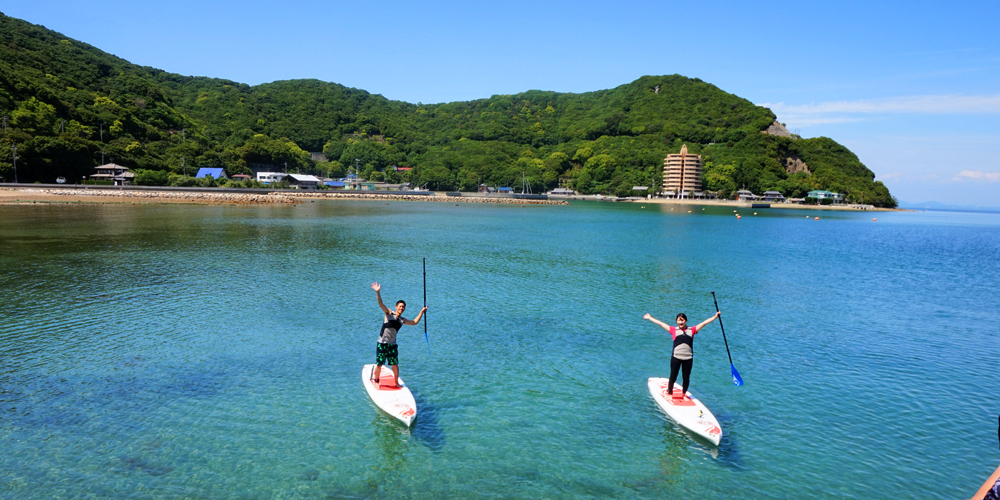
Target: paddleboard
687, 411
397, 402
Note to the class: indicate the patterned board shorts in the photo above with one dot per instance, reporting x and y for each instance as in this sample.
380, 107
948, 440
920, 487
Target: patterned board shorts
386, 354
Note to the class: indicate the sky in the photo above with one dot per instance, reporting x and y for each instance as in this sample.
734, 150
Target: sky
912, 88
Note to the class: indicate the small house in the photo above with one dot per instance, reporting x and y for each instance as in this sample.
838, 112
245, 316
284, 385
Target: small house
773, 197
216, 173
302, 181
118, 174
269, 177
821, 195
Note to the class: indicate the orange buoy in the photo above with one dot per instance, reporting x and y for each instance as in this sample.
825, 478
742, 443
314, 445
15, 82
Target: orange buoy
817, 218
738, 217
873, 220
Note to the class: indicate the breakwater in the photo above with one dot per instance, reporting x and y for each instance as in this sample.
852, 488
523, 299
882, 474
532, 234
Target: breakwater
129, 196
413, 197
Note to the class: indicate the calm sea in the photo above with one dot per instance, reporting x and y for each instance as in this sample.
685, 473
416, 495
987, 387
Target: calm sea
215, 352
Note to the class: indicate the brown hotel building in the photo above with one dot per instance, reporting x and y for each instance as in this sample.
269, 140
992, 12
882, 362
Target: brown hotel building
682, 172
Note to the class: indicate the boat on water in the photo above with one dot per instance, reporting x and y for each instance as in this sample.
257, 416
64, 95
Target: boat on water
398, 402
684, 409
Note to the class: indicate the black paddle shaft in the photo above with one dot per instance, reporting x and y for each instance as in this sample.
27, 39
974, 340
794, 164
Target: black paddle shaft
425, 296
723, 329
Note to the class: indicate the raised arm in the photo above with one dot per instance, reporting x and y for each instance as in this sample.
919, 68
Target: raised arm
707, 321
416, 320
658, 322
378, 295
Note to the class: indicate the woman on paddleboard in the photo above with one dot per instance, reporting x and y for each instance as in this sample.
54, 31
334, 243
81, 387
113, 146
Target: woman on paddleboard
682, 357
386, 351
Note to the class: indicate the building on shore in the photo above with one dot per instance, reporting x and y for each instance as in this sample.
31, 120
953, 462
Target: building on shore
302, 181
117, 174
823, 194
682, 172
216, 173
269, 177
773, 197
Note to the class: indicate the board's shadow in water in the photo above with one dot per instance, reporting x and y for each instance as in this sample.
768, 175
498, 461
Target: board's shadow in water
426, 428
729, 448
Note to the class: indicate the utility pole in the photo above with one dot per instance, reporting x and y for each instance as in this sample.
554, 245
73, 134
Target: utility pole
14, 149
102, 134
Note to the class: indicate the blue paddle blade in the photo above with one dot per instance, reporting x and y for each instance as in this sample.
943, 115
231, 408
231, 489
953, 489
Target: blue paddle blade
737, 380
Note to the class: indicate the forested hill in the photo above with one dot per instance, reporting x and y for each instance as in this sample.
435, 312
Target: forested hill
66, 103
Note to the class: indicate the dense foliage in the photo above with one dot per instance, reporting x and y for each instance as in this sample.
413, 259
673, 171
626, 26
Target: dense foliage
68, 105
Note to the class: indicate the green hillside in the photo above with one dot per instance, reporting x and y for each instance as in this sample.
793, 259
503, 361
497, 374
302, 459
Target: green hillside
66, 103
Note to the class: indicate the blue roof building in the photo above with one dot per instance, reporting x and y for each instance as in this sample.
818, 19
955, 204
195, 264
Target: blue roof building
216, 173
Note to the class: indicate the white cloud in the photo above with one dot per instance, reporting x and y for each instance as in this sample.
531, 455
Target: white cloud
845, 111
977, 175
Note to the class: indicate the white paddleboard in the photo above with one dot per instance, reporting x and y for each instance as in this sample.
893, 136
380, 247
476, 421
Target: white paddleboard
686, 410
398, 403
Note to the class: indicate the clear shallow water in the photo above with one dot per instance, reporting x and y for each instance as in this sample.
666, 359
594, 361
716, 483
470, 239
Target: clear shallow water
188, 351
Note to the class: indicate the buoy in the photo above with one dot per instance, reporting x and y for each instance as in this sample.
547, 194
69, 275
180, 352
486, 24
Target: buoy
738, 217
755, 213
689, 211
817, 218
873, 220
734, 211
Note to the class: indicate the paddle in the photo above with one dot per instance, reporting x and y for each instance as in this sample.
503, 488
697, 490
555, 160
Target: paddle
425, 305
737, 380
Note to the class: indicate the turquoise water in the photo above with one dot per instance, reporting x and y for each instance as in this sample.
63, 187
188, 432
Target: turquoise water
215, 352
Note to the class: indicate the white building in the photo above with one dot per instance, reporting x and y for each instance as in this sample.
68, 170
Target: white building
269, 177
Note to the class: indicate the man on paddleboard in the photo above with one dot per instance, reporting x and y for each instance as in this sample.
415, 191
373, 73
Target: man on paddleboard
386, 351
682, 356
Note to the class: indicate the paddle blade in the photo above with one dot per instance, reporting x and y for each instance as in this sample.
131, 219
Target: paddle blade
737, 380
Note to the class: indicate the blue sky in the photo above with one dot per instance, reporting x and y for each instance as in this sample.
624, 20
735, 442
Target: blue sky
913, 88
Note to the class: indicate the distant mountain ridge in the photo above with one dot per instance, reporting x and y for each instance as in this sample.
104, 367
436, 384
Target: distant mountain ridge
67, 102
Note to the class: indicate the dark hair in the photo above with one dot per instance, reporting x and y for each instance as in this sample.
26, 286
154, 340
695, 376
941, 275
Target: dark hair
398, 302
681, 315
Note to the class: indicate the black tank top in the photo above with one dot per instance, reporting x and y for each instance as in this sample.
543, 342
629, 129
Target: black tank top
393, 324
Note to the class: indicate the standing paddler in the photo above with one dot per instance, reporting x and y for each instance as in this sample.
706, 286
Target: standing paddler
682, 356
386, 351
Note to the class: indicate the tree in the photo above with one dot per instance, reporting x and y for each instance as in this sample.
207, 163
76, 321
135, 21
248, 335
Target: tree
34, 116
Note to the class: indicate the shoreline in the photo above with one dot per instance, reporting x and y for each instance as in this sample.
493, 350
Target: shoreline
221, 196
745, 204
36, 195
